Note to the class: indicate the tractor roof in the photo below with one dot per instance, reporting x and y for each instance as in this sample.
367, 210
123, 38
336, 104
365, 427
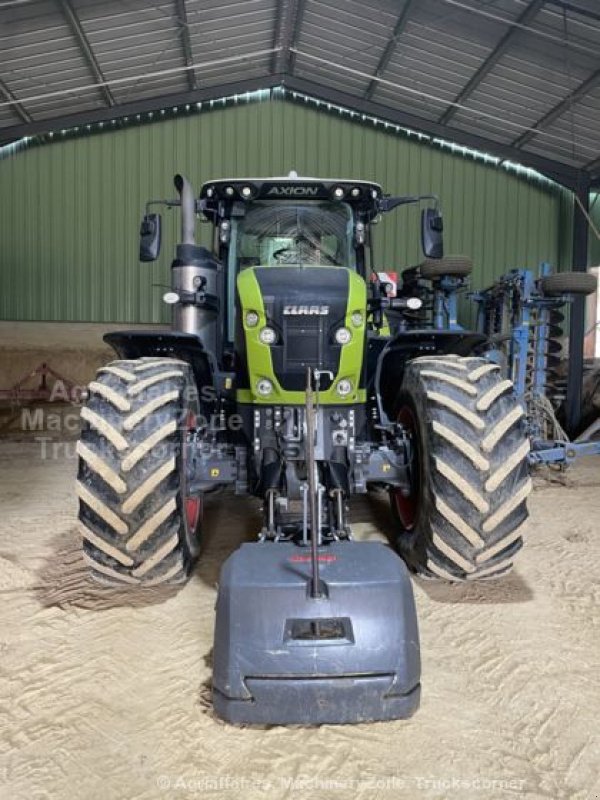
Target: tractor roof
364, 195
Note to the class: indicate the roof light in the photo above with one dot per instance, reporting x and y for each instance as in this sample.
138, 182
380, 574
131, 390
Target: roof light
224, 231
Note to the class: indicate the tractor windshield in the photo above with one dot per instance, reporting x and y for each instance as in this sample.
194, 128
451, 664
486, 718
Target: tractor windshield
276, 233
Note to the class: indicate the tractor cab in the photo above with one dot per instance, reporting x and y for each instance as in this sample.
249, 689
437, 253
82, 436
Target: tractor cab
296, 295
291, 220
290, 282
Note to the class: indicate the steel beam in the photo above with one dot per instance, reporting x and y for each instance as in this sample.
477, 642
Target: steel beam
494, 57
288, 24
593, 168
390, 48
15, 105
593, 171
577, 324
559, 109
86, 49
575, 9
281, 23
562, 173
38, 127
186, 44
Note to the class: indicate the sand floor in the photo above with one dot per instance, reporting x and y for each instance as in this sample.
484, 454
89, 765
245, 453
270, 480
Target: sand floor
106, 694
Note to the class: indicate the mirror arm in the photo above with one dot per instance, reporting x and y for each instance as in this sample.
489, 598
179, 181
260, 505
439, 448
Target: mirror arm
389, 203
167, 203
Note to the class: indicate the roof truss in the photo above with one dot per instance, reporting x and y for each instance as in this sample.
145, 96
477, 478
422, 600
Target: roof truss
286, 31
186, 44
559, 109
288, 24
490, 62
390, 48
18, 109
86, 49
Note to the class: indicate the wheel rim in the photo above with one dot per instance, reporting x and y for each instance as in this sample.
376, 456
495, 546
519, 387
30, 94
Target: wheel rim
407, 505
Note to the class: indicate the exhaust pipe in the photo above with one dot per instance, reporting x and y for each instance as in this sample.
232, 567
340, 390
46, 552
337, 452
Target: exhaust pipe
188, 209
193, 269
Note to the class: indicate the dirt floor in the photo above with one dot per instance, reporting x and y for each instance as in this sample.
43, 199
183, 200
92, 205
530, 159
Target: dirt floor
75, 350
105, 694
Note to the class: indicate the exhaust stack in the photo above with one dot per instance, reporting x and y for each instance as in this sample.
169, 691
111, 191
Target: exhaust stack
188, 209
194, 277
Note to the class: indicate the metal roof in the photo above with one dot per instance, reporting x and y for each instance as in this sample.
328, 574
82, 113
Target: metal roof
518, 78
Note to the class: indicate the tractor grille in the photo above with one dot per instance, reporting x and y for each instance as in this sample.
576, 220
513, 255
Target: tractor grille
306, 343
306, 339
303, 341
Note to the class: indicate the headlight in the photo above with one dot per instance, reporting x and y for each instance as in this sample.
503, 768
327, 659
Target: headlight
252, 319
343, 336
357, 319
264, 387
268, 336
344, 387
414, 303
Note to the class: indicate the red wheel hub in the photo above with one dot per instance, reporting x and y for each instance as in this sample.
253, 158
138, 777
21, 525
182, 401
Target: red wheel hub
407, 504
190, 421
192, 504
193, 507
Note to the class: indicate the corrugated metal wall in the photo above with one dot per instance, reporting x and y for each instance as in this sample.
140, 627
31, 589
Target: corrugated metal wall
70, 210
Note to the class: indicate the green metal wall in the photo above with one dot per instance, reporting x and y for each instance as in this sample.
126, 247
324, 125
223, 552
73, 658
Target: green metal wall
70, 210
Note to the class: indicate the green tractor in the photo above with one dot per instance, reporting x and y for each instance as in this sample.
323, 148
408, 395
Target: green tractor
288, 303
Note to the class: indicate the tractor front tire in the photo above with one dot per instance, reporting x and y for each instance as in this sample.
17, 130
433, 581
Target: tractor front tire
139, 523
463, 517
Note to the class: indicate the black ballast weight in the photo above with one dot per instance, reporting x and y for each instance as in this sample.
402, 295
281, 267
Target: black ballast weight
284, 657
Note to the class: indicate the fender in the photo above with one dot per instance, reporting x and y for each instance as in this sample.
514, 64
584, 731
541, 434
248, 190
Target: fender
392, 353
185, 346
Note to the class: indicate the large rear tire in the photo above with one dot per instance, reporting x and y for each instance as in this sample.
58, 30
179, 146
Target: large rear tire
140, 525
463, 517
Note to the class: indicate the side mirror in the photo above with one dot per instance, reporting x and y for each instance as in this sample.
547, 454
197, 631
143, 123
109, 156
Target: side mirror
432, 226
150, 233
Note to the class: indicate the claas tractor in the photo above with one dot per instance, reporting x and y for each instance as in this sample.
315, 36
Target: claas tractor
298, 372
